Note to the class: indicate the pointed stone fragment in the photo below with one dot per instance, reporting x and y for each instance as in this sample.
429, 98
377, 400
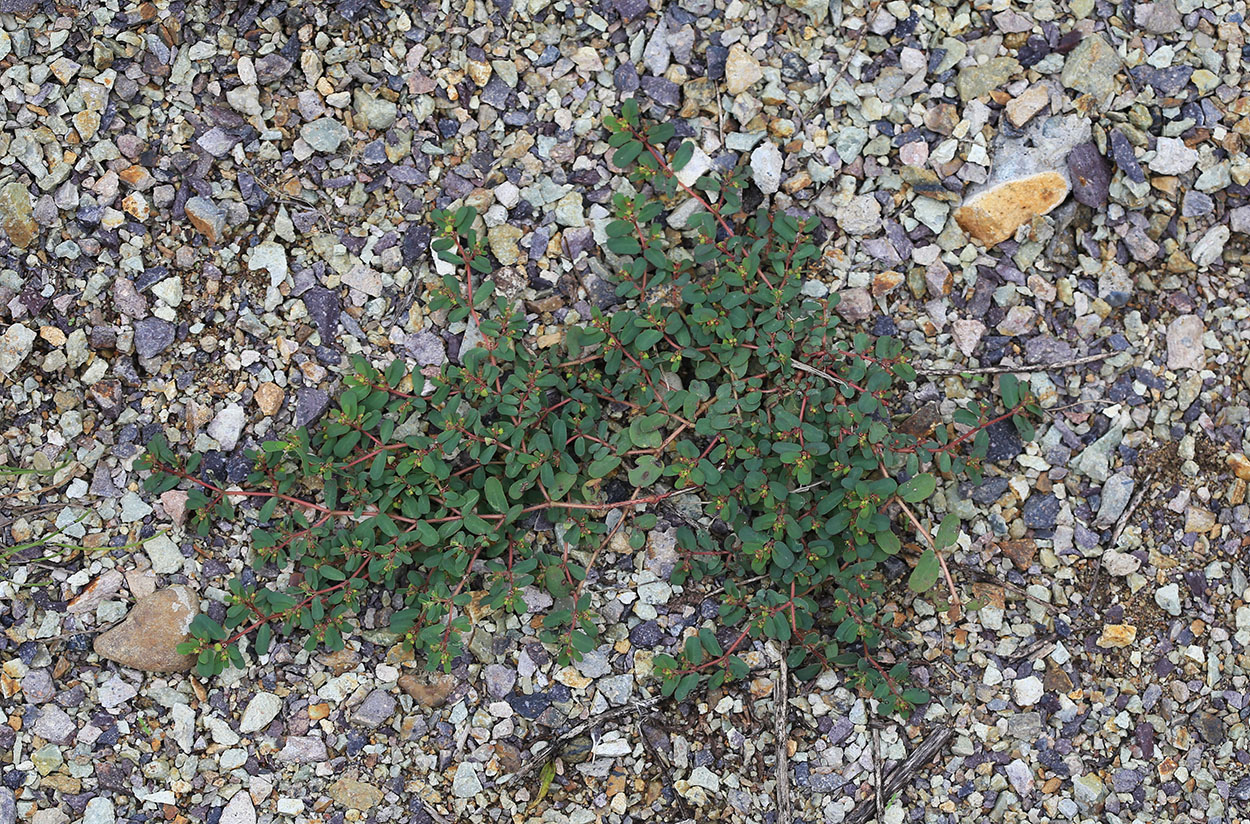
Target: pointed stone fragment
148, 639
994, 215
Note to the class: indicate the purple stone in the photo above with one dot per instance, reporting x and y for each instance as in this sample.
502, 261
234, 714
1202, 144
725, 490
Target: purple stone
1091, 175
1122, 153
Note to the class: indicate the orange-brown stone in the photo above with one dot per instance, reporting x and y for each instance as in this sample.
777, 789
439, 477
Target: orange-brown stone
994, 215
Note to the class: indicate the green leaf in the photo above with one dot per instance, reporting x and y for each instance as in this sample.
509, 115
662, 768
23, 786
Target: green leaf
206, 628
646, 473
1009, 387
629, 111
642, 437
918, 488
925, 575
627, 154
601, 467
916, 695
495, 496
264, 636
686, 685
1024, 426
623, 246
684, 152
708, 639
888, 542
648, 338
948, 531
693, 650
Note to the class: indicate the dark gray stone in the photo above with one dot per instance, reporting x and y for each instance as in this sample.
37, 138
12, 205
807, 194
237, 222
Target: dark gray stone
530, 706
1005, 442
310, 405
1041, 511
1122, 154
990, 490
324, 307
374, 711
152, 337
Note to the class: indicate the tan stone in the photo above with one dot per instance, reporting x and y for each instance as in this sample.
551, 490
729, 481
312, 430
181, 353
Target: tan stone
87, 124
15, 215
883, 283
1032, 100
355, 795
570, 677
269, 397
1240, 465
147, 640
174, 502
207, 218
136, 206
430, 690
52, 335
995, 214
742, 70
1020, 552
479, 72
1117, 635
1198, 519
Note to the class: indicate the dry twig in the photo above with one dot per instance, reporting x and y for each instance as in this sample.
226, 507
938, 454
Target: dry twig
900, 775
785, 811
1002, 370
876, 770
552, 748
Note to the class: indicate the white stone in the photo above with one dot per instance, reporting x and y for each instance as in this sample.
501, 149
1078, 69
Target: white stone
227, 426
695, 168
170, 291
271, 257
766, 164
239, 810
184, 726
1169, 599
705, 778
261, 710
1173, 157
15, 345
1028, 691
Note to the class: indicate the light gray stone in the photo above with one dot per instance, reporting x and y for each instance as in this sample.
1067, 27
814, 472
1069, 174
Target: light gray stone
227, 426
99, 810
260, 711
325, 134
1117, 491
239, 810
466, 784
15, 345
766, 162
1168, 598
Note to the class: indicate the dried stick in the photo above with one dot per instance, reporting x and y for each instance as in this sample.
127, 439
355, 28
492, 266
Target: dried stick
785, 811
805, 367
551, 748
876, 770
901, 775
1002, 370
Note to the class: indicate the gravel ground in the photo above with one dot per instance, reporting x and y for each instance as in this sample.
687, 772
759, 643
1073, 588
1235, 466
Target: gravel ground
205, 208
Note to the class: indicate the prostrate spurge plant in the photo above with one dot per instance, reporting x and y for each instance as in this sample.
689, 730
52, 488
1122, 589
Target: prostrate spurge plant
723, 385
